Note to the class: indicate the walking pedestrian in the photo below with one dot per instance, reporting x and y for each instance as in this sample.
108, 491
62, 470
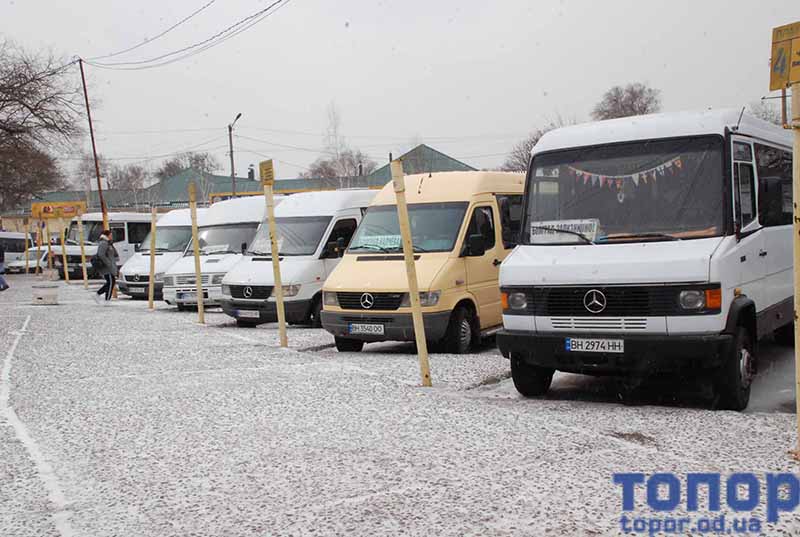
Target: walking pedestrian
107, 257
3, 283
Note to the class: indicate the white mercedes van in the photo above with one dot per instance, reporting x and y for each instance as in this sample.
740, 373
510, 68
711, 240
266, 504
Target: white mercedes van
227, 230
173, 233
314, 229
652, 244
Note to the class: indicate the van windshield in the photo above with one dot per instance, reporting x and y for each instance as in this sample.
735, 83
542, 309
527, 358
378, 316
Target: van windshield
434, 228
91, 232
298, 235
224, 239
169, 239
631, 192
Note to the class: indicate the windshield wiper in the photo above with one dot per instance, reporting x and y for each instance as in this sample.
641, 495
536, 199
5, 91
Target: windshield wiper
375, 247
664, 236
420, 249
578, 234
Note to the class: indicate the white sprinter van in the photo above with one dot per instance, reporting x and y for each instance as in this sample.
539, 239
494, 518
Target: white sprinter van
652, 244
14, 245
173, 233
314, 229
128, 230
227, 230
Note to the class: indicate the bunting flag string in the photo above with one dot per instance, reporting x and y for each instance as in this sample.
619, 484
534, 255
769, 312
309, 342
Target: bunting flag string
651, 175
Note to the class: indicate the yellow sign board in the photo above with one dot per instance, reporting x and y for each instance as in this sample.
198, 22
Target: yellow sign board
57, 209
785, 61
267, 172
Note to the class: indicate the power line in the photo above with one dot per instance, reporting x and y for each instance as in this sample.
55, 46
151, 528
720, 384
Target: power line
148, 41
188, 51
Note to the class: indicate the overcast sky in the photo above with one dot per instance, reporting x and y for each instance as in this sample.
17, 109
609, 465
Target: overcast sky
468, 78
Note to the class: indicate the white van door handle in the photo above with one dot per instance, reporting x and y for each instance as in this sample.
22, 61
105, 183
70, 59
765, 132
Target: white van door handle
496, 262
762, 253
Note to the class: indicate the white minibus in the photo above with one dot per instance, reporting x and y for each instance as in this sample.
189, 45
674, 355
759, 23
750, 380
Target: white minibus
14, 245
652, 244
227, 230
314, 229
173, 233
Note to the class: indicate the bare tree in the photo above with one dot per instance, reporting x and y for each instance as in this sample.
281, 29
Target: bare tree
39, 112
767, 112
85, 175
127, 177
634, 99
202, 162
520, 155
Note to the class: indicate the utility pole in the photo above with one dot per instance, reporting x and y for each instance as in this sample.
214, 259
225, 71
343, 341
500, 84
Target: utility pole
94, 148
230, 145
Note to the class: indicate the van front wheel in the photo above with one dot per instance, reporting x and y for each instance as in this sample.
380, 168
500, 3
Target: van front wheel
530, 380
459, 335
348, 345
735, 375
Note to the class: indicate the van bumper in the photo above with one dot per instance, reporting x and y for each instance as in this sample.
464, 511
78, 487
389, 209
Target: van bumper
296, 311
140, 290
396, 326
644, 354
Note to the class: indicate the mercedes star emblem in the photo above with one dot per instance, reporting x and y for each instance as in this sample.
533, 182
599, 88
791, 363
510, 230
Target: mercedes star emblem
367, 301
594, 301
136, 277
247, 292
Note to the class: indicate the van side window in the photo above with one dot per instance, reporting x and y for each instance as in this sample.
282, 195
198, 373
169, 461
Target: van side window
774, 185
510, 218
345, 229
118, 233
137, 231
482, 223
744, 181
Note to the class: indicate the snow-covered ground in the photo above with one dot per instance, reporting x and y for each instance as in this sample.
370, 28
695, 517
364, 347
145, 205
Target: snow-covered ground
120, 421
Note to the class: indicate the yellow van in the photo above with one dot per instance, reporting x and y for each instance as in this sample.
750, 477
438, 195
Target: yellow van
463, 225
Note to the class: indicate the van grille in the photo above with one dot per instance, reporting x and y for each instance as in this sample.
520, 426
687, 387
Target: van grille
259, 292
621, 301
189, 279
137, 278
598, 323
381, 301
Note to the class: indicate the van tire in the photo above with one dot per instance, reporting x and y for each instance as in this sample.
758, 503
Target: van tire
314, 317
785, 335
241, 323
530, 380
460, 333
734, 377
181, 307
348, 345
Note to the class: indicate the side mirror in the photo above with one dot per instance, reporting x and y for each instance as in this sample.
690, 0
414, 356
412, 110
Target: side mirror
330, 251
341, 246
244, 247
476, 246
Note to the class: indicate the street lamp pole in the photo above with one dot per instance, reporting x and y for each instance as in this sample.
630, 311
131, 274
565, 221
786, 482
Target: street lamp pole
230, 145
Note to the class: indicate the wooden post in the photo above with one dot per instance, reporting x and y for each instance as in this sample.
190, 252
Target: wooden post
64, 256
151, 288
49, 247
411, 271
38, 246
27, 231
268, 180
795, 123
198, 275
83, 253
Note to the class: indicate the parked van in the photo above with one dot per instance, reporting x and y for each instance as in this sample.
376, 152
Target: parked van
313, 228
18, 266
173, 234
463, 224
227, 231
652, 244
14, 245
128, 229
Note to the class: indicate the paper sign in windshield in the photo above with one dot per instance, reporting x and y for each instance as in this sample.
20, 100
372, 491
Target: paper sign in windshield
551, 230
390, 242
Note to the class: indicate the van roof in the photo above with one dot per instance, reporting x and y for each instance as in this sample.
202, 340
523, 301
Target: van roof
237, 210
452, 186
667, 125
180, 217
324, 203
116, 217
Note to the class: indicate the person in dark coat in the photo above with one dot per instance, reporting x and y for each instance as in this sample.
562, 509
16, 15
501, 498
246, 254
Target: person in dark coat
108, 257
3, 283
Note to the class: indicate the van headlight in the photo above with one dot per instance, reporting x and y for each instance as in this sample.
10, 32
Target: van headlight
216, 279
159, 277
329, 298
226, 290
426, 299
169, 281
701, 300
514, 300
288, 290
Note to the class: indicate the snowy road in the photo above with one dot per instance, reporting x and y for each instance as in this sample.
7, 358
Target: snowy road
119, 421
